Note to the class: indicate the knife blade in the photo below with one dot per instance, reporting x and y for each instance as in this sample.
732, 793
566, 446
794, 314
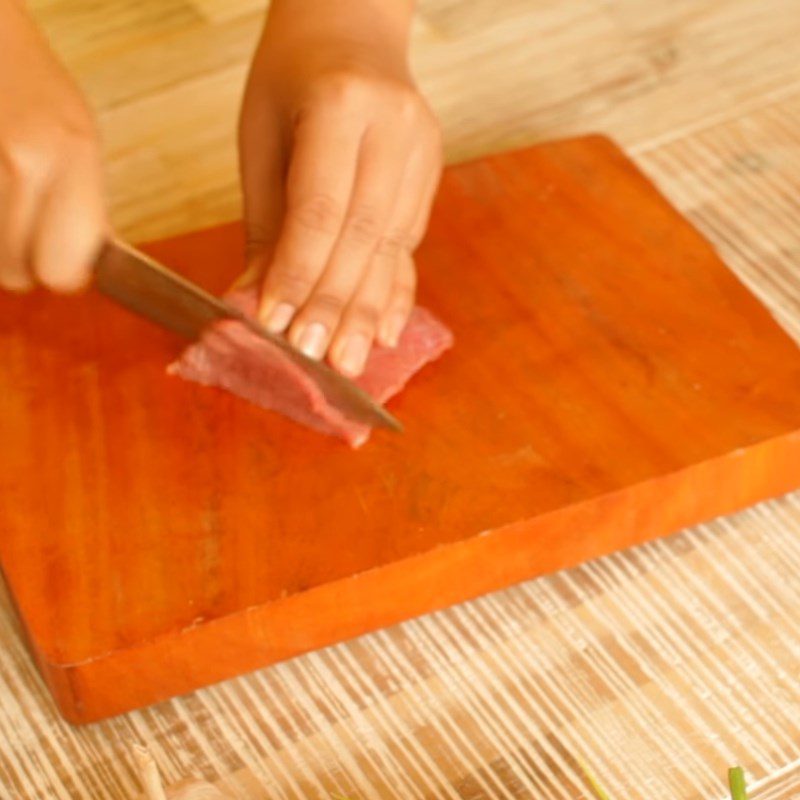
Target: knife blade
150, 289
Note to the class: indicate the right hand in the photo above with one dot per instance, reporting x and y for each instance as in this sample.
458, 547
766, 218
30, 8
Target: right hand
53, 217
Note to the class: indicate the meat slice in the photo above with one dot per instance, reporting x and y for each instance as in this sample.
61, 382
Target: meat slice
231, 356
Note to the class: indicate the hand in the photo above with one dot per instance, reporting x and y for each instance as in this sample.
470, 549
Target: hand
340, 160
52, 207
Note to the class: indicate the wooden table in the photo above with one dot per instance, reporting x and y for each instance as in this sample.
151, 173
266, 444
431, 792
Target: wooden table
658, 667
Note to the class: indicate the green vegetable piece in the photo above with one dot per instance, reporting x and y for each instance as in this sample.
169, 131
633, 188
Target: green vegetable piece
737, 783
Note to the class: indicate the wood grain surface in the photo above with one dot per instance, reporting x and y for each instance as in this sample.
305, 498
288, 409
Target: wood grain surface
612, 381
660, 666
166, 75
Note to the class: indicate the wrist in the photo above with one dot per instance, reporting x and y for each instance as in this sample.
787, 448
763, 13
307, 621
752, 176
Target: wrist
349, 27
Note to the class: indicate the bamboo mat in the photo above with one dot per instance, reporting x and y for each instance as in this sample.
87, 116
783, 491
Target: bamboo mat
658, 667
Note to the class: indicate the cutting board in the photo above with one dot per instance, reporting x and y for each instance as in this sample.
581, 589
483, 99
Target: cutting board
611, 382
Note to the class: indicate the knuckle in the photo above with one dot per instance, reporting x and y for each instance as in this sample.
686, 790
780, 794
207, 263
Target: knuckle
403, 296
327, 303
292, 281
393, 244
320, 213
345, 87
22, 160
363, 226
366, 315
32, 153
408, 105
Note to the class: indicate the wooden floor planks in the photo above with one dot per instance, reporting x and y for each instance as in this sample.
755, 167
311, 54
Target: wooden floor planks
659, 667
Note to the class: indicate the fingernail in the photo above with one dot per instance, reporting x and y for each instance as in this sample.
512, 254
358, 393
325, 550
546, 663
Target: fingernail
311, 340
354, 354
278, 319
392, 329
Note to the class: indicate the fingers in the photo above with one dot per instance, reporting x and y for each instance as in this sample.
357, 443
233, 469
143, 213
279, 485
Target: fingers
261, 168
52, 206
363, 167
400, 302
17, 210
355, 332
379, 307
318, 188
396, 311
70, 227
379, 178
52, 217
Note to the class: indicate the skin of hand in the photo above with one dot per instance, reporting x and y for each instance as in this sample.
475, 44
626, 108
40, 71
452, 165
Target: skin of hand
340, 159
52, 200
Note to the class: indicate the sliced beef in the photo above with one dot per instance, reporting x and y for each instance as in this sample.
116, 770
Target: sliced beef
231, 356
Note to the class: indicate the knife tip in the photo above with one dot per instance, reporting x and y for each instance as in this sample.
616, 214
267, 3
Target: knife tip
390, 421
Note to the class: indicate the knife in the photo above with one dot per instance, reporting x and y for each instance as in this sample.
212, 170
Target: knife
149, 289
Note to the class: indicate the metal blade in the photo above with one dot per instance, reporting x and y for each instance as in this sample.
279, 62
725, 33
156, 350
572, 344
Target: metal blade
149, 289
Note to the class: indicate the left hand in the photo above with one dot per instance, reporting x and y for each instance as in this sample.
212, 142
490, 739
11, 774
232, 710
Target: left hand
340, 160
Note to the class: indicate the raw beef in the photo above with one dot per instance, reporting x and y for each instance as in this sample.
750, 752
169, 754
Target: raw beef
232, 357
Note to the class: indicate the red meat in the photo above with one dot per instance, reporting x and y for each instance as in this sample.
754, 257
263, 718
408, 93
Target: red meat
231, 356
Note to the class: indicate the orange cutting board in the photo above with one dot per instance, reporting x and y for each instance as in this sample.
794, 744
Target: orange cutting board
611, 381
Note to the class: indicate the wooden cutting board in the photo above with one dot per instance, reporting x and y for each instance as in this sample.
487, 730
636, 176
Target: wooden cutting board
611, 382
